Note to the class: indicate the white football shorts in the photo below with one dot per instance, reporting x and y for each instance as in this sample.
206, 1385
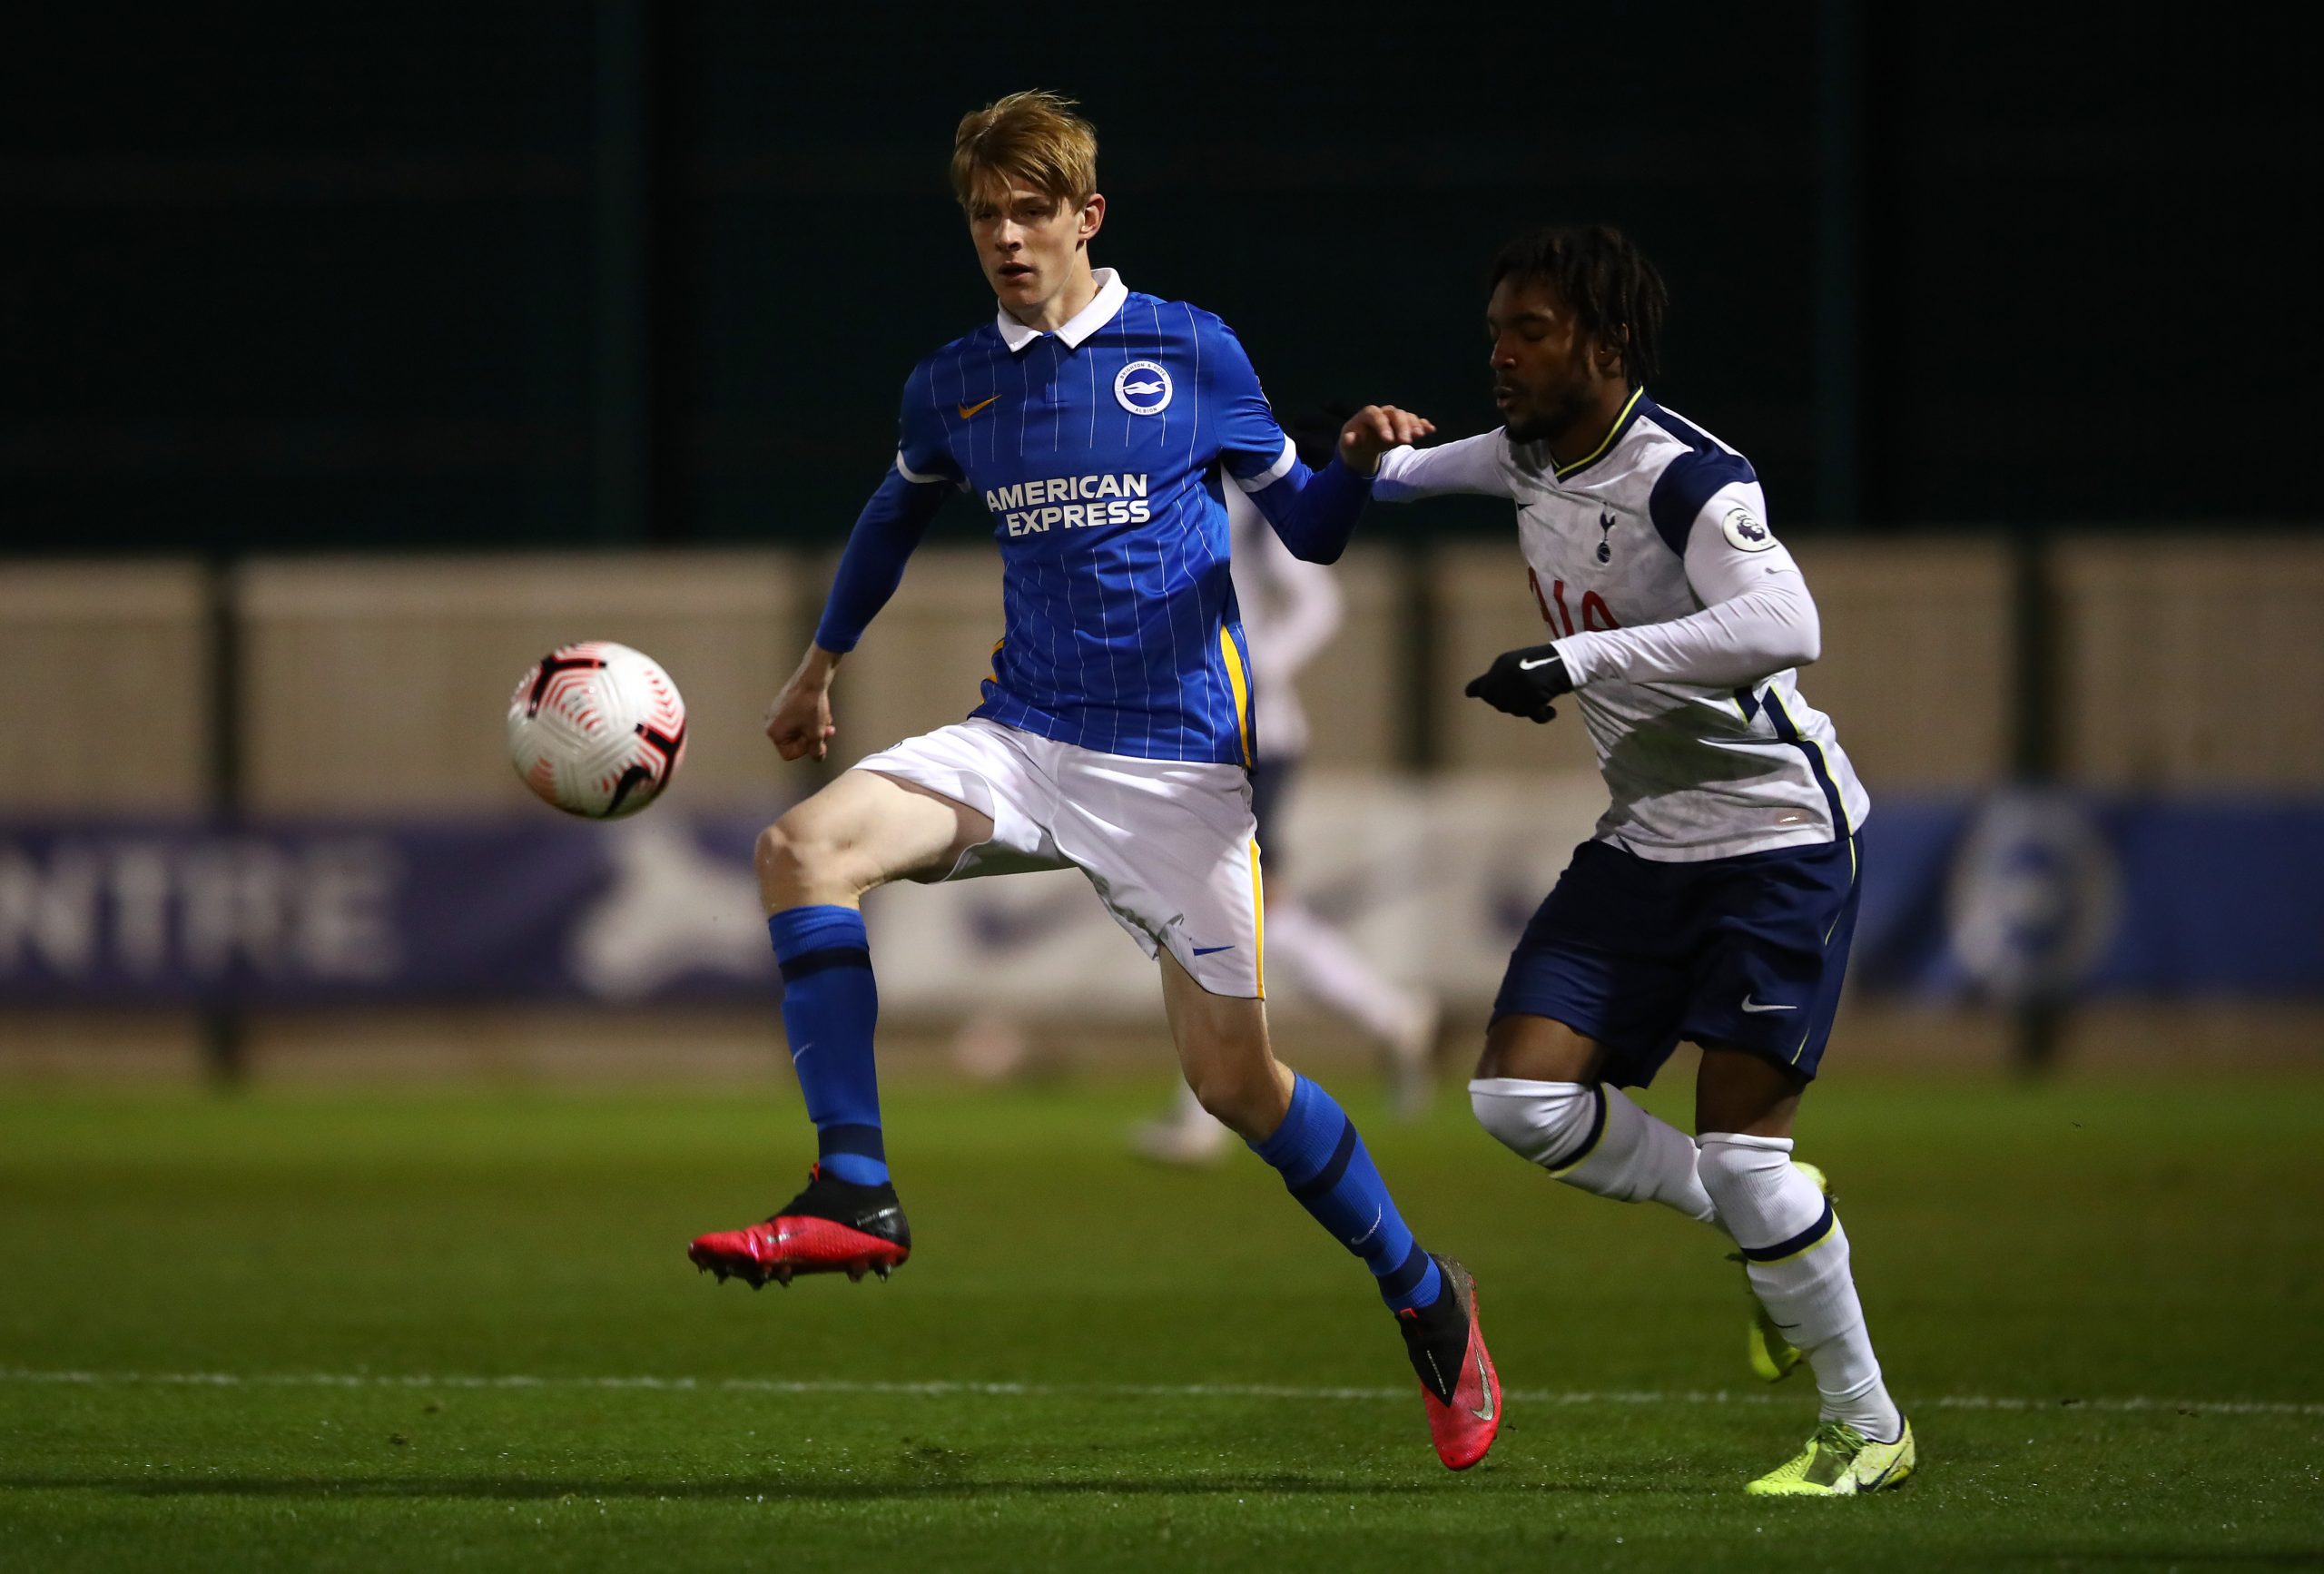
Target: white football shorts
1169, 845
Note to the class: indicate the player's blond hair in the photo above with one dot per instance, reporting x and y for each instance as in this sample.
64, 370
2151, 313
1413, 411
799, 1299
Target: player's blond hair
1032, 138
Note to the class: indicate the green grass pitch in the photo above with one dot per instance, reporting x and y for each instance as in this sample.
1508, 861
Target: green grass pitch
311, 1331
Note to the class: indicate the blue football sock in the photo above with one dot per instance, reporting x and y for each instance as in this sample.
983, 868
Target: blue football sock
829, 1006
1324, 1164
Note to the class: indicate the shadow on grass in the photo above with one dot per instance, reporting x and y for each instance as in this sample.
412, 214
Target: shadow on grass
931, 1485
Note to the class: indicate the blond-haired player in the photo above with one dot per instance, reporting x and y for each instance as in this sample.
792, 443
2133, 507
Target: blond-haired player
1099, 428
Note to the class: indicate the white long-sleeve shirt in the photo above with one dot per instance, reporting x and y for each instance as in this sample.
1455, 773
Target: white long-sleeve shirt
1682, 620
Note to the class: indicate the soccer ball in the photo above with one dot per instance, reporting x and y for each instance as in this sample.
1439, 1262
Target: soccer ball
596, 729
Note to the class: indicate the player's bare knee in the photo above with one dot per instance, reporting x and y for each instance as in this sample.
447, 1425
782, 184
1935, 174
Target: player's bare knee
1244, 1098
1218, 1089
797, 863
777, 855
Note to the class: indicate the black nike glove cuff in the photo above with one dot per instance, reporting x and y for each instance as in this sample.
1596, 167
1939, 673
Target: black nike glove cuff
1522, 683
1541, 669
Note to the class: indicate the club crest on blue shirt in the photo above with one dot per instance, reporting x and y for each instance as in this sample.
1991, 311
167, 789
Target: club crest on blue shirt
1143, 388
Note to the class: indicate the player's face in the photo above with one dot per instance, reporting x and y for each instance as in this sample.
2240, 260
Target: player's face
1030, 244
1542, 363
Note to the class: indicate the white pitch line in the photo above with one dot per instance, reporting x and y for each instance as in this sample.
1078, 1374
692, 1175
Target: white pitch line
2125, 1405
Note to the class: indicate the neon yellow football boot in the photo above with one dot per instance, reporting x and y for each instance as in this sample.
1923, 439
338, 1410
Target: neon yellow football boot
1772, 1356
1839, 1462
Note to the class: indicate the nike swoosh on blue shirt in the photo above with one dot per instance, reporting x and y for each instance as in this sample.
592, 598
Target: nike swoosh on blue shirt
1208, 950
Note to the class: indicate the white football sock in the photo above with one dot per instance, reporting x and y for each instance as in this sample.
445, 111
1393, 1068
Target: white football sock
1319, 960
1796, 1256
1594, 1138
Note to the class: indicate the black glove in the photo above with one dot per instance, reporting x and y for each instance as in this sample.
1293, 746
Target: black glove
1523, 681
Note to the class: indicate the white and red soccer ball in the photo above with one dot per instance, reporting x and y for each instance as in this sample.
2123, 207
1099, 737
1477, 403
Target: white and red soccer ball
596, 729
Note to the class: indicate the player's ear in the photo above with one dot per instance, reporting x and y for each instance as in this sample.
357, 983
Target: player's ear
1614, 350
1093, 218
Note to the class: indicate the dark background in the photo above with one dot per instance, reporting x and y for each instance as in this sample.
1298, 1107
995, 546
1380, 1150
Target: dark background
597, 274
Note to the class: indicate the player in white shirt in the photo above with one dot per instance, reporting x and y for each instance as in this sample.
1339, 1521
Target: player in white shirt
1717, 897
1291, 610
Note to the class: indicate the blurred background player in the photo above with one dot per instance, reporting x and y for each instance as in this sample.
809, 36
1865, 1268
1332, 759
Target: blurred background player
1717, 898
1291, 610
1098, 426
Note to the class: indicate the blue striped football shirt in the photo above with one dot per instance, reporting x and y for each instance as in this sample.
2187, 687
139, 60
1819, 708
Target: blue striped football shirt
1099, 450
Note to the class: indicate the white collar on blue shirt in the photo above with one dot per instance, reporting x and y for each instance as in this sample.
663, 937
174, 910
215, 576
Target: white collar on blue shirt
1111, 294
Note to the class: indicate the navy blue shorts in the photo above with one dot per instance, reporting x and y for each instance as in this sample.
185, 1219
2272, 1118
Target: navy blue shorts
1742, 952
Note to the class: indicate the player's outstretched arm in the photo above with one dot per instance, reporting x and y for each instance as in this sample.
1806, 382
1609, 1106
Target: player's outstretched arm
1314, 512
886, 533
1376, 430
1479, 466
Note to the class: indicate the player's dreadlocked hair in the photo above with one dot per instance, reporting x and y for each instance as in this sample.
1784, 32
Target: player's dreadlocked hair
1616, 296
